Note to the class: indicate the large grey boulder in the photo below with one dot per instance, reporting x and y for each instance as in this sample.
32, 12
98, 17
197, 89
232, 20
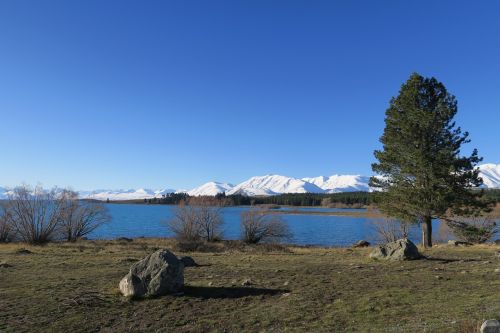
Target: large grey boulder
402, 249
158, 274
491, 326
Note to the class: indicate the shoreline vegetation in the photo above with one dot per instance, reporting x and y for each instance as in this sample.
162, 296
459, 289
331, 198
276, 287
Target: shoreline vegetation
241, 287
366, 211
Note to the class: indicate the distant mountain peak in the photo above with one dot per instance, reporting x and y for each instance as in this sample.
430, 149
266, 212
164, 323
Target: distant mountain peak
210, 188
271, 184
490, 173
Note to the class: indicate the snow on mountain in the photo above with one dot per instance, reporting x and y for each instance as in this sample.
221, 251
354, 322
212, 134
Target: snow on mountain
131, 194
268, 185
210, 188
274, 184
340, 183
491, 175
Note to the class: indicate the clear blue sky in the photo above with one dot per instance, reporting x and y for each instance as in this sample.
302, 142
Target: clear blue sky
123, 94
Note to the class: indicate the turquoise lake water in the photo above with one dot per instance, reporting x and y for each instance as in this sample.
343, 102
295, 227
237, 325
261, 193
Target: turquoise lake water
150, 221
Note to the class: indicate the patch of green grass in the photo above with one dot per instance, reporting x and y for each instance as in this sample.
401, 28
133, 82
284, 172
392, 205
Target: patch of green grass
74, 288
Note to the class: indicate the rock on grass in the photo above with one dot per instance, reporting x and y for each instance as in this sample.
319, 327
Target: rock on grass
158, 274
402, 249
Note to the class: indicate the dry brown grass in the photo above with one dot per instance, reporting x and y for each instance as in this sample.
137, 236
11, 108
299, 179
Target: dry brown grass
73, 288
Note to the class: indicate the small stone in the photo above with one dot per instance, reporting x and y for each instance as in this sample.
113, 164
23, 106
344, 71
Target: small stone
124, 239
458, 243
497, 270
246, 282
286, 294
463, 272
361, 243
439, 277
210, 283
286, 283
490, 326
23, 251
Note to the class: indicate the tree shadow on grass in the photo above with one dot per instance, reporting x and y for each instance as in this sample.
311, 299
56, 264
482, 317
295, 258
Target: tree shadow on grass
230, 292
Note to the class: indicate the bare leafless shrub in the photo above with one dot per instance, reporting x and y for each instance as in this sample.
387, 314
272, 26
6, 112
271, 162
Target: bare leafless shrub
389, 230
259, 226
208, 217
183, 224
476, 230
33, 213
198, 219
79, 218
326, 202
6, 232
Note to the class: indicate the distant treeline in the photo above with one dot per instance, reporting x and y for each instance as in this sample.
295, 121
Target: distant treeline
295, 199
313, 199
492, 194
291, 199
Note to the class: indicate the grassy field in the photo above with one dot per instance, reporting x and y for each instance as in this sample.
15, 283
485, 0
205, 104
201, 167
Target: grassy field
74, 288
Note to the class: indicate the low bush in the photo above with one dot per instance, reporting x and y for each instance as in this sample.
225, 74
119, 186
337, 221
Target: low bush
257, 225
33, 214
38, 216
198, 219
198, 246
79, 218
6, 233
389, 230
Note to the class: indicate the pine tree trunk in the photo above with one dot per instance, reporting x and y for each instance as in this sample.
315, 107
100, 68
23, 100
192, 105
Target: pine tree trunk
427, 232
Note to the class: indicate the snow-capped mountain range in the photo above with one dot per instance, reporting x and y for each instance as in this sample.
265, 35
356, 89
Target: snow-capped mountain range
269, 185
340, 183
130, 194
272, 185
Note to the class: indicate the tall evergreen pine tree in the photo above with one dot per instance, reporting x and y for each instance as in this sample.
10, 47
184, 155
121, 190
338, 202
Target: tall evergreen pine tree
421, 173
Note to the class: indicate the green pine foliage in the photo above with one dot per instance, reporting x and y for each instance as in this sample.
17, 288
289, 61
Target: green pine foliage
422, 173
